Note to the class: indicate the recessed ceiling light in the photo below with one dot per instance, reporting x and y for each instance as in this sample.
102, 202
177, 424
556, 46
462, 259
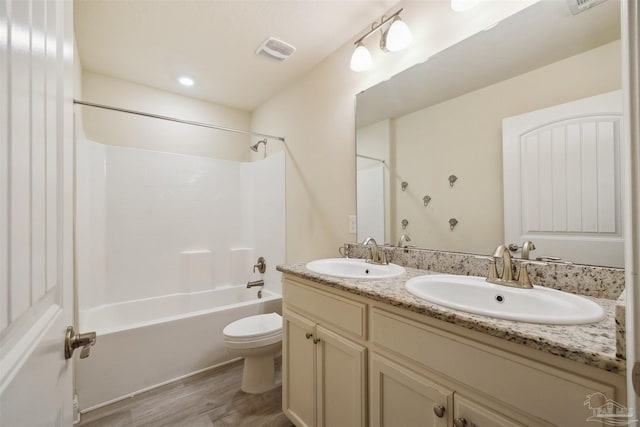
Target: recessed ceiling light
186, 81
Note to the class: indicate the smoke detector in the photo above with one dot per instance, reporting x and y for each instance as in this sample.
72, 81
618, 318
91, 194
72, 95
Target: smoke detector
577, 6
276, 49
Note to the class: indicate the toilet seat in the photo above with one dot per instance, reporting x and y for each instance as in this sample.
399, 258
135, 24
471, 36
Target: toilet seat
254, 331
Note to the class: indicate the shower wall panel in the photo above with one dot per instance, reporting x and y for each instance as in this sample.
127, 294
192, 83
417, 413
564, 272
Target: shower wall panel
154, 223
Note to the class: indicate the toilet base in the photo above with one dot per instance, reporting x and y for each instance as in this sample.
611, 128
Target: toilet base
258, 374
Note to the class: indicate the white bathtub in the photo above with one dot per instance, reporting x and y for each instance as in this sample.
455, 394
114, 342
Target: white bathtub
145, 343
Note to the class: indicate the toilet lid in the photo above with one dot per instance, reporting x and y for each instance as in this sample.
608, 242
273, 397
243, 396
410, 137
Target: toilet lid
254, 326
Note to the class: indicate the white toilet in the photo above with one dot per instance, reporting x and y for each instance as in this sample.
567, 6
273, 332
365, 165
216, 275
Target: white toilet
259, 340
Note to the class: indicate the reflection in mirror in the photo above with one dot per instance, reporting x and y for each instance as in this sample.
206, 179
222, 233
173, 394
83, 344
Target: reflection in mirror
445, 117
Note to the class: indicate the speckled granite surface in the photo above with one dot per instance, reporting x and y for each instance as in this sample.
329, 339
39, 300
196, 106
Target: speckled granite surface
595, 281
621, 329
593, 344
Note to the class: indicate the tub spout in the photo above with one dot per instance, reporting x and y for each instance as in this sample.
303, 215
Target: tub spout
251, 284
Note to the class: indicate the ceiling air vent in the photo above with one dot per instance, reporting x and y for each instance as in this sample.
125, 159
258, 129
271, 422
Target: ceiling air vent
276, 49
578, 6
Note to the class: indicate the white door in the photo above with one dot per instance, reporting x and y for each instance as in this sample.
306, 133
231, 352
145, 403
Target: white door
36, 206
562, 180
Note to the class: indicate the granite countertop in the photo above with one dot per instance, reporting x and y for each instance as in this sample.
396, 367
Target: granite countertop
593, 344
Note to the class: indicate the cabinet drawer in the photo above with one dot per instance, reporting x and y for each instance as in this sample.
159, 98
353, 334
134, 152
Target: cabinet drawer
554, 395
327, 309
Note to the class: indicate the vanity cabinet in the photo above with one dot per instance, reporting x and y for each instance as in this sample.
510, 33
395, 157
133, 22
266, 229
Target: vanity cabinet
324, 373
401, 397
384, 366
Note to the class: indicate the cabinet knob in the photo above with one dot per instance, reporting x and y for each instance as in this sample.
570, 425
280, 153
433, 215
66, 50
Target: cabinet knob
316, 340
439, 411
460, 422
308, 335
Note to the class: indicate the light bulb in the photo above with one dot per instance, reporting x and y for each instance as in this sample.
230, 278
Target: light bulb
361, 59
462, 5
186, 81
398, 36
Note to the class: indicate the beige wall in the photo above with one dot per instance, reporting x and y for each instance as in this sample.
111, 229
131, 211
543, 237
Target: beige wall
316, 116
127, 130
463, 136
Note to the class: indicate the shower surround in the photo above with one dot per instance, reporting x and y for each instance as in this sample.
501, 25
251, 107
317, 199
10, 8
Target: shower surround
154, 224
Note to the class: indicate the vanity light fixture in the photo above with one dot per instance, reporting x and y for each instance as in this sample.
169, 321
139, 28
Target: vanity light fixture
361, 58
186, 81
395, 37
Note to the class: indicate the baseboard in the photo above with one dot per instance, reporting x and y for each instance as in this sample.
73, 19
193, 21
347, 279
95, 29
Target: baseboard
180, 378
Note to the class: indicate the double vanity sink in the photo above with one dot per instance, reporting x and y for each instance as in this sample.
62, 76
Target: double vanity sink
459, 349
472, 294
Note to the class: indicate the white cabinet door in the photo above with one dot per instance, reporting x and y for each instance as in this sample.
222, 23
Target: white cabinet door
298, 370
562, 180
341, 390
402, 398
471, 414
36, 211
323, 375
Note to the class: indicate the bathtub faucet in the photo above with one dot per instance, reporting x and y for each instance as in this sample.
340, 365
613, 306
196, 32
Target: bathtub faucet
251, 284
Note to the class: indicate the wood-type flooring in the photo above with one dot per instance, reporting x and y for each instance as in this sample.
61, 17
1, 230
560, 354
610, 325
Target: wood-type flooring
211, 399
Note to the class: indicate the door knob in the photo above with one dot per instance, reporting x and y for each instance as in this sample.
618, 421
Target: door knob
73, 341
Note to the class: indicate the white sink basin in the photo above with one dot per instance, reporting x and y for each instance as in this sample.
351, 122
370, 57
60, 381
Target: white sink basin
474, 295
354, 268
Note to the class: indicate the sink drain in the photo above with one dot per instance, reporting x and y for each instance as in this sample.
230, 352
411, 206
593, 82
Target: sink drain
499, 299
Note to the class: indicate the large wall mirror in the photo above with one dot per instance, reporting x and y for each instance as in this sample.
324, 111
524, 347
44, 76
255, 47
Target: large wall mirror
430, 140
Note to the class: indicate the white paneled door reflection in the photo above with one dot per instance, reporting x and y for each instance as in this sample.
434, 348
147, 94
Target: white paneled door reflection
562, 180
570, 179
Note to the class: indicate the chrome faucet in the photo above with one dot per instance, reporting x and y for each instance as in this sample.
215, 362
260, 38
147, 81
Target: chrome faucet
507, 277
520, 280
507, 267
377, 256
402, 243
251, 284
526, 248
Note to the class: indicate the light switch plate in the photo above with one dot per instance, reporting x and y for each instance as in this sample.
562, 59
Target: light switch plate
353, 224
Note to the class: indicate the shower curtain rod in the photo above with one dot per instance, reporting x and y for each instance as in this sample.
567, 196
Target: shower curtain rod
372, 158
172, 119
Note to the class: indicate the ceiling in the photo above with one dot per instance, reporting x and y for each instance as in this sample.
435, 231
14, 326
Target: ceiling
153, 42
